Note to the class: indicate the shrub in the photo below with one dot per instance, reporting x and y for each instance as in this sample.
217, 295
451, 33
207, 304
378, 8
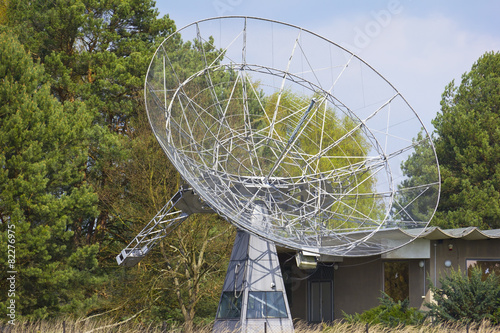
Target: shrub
466, 299
388, 313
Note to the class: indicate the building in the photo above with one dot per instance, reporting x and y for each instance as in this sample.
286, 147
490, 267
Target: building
354, 284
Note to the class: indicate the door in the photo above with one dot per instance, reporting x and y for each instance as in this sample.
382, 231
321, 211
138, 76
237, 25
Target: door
320, 301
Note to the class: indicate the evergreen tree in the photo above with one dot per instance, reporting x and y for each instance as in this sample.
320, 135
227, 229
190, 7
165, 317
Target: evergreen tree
43, 156
467, 141
468, 147
420, 168
96, 52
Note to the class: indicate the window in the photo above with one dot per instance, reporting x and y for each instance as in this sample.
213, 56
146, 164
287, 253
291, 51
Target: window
230, 306
396, 280
487, 266
266, 304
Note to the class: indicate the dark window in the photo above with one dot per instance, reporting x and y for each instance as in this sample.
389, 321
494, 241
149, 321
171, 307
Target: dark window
487, 266
396, 280
230, 305
266, 304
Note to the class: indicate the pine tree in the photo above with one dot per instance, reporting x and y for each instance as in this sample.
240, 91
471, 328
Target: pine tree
467, 142
43, 189
468, 147
97, 52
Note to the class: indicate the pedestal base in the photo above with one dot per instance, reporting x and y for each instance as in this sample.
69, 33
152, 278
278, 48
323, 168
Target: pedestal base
253, 296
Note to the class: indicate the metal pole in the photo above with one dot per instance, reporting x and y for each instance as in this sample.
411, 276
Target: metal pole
291, 140
435, 264
424, 278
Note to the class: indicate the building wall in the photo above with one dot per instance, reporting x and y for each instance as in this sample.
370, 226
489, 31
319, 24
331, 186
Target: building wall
296, 289
357, 285
460, 252
358, 282
419, 283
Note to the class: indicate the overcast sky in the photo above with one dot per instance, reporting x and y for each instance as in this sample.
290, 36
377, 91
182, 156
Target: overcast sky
419, 46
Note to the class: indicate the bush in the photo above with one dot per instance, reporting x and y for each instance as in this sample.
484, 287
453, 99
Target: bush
389, 313
466, 299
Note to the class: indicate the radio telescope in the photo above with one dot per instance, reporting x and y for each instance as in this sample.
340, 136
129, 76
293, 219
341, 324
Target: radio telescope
289, 136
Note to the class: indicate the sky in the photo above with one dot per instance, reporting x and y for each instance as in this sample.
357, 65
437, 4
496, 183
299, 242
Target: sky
418, 46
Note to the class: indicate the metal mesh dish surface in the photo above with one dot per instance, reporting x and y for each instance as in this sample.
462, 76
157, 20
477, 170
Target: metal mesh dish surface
290, 136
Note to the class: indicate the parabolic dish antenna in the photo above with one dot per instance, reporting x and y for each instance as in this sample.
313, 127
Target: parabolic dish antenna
291, 137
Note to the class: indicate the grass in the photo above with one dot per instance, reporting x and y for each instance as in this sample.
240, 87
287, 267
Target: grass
103, 326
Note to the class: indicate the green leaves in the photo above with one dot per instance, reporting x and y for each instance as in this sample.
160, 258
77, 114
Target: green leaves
80, 171
466, 298
389, 313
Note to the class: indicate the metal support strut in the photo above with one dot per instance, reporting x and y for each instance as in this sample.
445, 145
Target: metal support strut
184, 203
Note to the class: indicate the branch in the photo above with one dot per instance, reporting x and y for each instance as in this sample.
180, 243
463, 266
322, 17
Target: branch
100, 314
114, 325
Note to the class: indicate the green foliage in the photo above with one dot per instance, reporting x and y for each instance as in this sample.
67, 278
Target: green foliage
3, 11
324, 129
43, 191
81, 173
95, 55
466, 298
389, 313
96, 52
467, 141
420, 168
85, 188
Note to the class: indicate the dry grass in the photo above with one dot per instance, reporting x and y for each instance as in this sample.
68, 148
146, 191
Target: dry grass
103, 326
426, 328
